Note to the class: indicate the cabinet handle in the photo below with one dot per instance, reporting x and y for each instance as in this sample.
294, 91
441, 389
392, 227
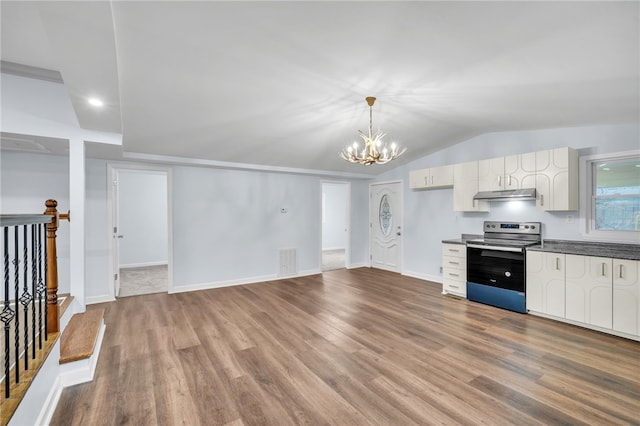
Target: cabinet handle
509, 180
499, 180
453, 286
621, 271
457, 263
453, 275
426, 182
603, 269
557, 263
542, 199
431, 180
456, 250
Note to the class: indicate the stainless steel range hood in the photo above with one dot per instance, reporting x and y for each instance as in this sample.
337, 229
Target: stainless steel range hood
507, 195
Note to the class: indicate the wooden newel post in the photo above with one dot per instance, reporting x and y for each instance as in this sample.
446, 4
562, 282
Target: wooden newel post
53, 322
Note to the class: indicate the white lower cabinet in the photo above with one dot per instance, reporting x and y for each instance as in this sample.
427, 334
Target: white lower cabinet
594, 291
545, 282
454, 269
589, 290
626, 296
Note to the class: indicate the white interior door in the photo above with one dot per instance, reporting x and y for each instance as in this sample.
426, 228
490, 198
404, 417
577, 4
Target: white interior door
386, 226
115, 235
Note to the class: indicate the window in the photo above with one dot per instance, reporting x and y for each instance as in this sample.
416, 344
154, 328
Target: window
612, 210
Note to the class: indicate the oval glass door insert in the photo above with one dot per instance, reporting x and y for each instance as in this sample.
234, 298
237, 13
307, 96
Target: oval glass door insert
384, 213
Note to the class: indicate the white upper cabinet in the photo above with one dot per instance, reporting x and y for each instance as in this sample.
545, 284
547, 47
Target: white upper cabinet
490, 174
553, 173
435, 177
465, 186
511, 172
557, 179
520, 171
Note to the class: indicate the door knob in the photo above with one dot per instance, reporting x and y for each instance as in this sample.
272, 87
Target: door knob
398, 233
120, 236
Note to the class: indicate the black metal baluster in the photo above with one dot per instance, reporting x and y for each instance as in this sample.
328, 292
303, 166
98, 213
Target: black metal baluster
16, 286
34, 283
25, 299
7, 313
41, 287
46, 284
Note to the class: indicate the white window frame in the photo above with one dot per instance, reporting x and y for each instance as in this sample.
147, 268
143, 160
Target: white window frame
587, 226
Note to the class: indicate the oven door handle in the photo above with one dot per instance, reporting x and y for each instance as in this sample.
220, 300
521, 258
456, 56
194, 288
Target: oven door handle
497, 248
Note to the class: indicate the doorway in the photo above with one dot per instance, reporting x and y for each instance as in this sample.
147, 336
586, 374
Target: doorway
140, 230
386, 226
335, 225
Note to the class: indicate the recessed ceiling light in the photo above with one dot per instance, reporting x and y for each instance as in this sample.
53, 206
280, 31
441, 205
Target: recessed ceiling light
96, 102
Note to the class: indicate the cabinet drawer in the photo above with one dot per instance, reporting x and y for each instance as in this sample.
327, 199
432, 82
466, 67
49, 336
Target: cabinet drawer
454, 274
454, 263
456, 287
455, 250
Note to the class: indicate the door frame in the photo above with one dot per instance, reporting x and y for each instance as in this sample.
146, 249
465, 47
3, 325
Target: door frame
347, 243
401, 221
112, 173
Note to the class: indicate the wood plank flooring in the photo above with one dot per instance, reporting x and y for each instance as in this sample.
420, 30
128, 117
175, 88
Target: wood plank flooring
348, 347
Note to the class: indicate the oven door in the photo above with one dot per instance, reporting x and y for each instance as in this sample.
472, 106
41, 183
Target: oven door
496, 267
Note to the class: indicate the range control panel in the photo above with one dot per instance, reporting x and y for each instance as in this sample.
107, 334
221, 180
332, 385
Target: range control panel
512, 227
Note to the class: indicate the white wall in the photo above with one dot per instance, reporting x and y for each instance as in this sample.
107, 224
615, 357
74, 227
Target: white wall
27, 181
334, 220
227, 225
142, 201
428, 214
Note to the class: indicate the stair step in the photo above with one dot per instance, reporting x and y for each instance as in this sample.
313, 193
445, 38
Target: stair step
79, 337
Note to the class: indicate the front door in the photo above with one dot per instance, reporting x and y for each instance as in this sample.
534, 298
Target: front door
386, 226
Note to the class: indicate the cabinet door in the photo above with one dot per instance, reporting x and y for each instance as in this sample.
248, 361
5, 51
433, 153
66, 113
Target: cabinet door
520, 171
465, 186
626, 296
545, 283
418, 179
440, 177
557, 179
491, 174
589, 290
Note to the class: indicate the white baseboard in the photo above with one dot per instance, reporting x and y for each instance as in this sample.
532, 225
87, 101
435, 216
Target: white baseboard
358, 265
332, 248
99, 299
244, 281
143, 264
421, 276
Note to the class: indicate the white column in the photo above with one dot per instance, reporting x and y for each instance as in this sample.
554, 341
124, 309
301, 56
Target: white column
76, 226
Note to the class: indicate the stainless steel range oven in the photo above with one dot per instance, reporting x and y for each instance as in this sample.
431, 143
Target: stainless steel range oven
496, 264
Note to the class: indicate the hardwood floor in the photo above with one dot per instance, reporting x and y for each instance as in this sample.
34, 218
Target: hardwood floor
349, 347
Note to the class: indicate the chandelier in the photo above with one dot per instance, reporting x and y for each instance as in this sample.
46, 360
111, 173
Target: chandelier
375, 150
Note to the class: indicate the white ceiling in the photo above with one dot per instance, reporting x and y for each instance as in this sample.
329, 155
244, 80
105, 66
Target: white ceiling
283, 83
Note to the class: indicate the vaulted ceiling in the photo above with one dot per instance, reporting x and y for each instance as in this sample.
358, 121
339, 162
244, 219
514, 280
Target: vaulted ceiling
283, 83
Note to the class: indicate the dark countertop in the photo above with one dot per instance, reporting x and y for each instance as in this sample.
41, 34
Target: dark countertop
588, 248
463, 239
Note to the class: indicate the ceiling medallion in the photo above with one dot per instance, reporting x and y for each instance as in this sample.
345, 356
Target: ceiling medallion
375, 150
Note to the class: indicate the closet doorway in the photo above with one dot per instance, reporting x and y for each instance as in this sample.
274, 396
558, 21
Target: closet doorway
335, 225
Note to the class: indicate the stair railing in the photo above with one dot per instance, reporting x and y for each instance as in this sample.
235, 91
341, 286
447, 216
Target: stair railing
30, 292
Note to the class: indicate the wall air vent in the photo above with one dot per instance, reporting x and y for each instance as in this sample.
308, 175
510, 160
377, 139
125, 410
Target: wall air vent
288, 262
